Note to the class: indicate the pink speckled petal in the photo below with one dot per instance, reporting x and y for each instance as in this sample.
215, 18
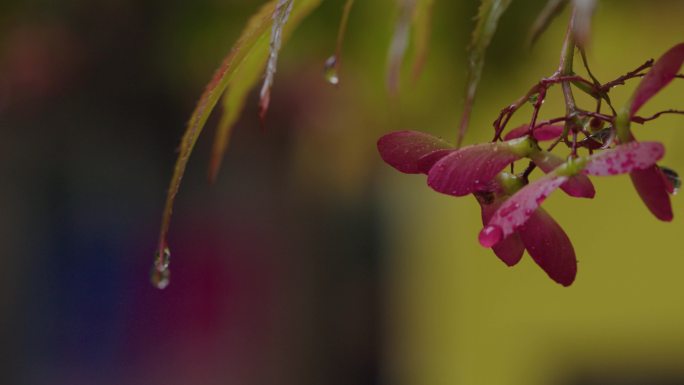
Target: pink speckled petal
470, 169
509, 250
541, 133
517, 209
550, 247
625, 158
652, 187
578, 186
403, 149
661, 74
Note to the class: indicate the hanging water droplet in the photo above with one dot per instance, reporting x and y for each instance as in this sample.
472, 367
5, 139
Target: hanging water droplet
330, 71
673, 178
162, 259
160, 279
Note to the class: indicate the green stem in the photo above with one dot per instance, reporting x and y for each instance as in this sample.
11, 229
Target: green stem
565, 66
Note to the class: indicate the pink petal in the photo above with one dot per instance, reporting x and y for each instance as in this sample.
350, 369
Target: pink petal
518, 208
625, 158
470, 169
578, 186
509, 250
426, 162
403, 149
541, 133
660, 75
550, 247
652, 188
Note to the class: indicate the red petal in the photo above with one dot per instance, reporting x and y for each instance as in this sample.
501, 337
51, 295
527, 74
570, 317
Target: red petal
578, 186
403, 149
541, 133
625, 158
426, 162
660, 75
550, 247
517, 209
470, 169
509, 250
652, 188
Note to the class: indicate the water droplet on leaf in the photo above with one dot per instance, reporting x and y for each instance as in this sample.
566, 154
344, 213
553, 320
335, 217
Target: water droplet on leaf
490, 236
330, 71
160, 279
162, 259
673, 178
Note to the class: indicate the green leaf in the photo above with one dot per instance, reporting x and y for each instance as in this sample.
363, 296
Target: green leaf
487, 20
422, 26
238, 73
552, 9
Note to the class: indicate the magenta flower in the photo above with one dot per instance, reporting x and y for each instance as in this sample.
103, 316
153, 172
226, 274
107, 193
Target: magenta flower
512, 219
651, 184
542, 237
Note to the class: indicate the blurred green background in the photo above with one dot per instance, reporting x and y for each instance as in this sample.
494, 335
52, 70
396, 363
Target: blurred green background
310, 261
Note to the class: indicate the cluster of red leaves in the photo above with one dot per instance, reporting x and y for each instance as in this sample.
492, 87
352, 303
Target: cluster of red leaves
511, 214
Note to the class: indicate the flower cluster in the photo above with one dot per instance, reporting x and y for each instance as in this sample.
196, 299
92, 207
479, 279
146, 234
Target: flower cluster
512, 218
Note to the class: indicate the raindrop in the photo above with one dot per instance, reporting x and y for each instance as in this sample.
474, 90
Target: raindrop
162, 259
673, 178
330, 71
160, 279
490, 236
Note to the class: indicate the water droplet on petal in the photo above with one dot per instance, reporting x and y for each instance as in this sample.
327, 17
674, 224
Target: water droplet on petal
160, 279
490, 236
330, 71
162, 259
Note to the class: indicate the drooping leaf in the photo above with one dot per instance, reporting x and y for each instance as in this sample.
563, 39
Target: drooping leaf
578, 186
422, 27
661, 74
471, 168
488, 16
541, 133
549, 247
518, 209
584, 10
624, 158
404, 149
509, 250
245, 71
652, 187
252, 43
399, 43
552, 9
280, 15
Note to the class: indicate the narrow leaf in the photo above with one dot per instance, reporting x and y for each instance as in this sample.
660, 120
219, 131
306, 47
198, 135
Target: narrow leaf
256, 29
552, 9
280, 16
399, 44
246, 72
404, 149
549, 247
331, 69
422, 26
661, 74
584, 10
487, 20
624, 158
